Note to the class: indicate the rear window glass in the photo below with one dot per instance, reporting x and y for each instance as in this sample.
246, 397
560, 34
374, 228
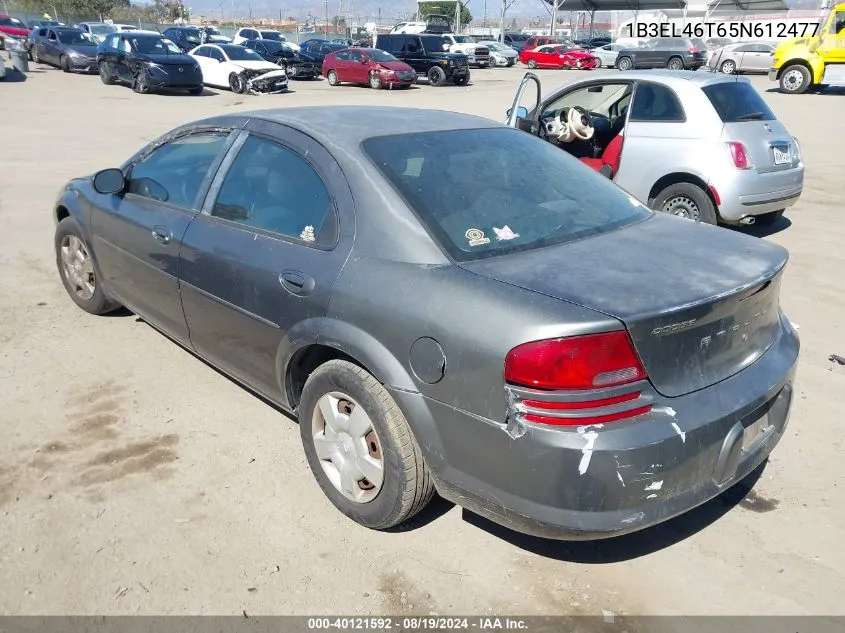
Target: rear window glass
737, 101
476, 202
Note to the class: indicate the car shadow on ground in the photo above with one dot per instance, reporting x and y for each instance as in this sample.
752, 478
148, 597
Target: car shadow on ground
830, 90
636, 544
764, 230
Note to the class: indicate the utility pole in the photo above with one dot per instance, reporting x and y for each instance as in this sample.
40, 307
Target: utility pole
233, 13
327, 17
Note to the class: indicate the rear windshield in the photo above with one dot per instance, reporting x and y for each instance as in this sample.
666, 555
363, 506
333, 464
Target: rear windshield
476, 202
737, 101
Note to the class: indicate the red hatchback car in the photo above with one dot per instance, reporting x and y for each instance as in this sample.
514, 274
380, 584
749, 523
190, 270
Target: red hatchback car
11, 26
558, 56
367, 66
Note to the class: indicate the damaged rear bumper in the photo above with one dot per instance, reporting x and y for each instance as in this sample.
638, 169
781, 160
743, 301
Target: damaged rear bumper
580, 483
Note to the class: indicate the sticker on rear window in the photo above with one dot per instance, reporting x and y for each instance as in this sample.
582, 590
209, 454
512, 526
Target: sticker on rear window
475, 237
505, 233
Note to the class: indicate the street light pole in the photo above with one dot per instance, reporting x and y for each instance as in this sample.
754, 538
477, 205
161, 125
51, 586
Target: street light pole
327, 18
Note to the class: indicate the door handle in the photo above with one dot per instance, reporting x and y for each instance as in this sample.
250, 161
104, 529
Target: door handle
162, 235
297, 282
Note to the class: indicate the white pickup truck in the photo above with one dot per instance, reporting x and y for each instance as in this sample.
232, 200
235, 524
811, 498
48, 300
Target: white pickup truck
479, 54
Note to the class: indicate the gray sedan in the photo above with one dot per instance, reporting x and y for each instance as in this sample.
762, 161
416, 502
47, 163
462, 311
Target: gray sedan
530, 343
750, 57
607, 54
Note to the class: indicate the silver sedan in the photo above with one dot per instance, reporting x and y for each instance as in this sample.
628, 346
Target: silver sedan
748, 57
607, 54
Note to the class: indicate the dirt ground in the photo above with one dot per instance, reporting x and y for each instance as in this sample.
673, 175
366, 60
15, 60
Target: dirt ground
134, 478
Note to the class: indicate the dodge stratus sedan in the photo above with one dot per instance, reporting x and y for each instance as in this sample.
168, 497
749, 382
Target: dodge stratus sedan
439, 321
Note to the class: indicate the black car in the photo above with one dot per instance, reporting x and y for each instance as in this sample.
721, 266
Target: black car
317, 50
185, 37
147, 61
677, 53
427, 55
296, 65
72, 50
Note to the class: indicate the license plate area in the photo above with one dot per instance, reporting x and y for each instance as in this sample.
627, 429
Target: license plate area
757, 430
781, 154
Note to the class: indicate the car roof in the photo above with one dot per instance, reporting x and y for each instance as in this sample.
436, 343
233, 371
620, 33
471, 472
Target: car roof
344, 127
671, 78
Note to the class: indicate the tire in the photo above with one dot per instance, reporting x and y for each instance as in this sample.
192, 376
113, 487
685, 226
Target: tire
105, 74
78, 274
511, 62
624, 63
436, 76
64, 63
375, 81
36, 58
237, 83
728, 67
29, 54
196, 91
381, 437
532, 64
461, 81
598, 64
140, 83
333, 79
686, 200
767, 219
795, 79
675, 63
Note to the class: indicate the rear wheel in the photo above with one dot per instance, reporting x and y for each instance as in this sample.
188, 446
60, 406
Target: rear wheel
333, 78
64, 62
532, 64
795, 79
105, 74
728, 67
360, 447
624, 63
436, 76
686, 200
767, 219
236, 83
675, 63
375, 81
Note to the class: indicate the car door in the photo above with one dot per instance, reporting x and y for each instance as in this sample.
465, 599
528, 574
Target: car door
122, 56
751, 58
138, 233
415, 55
200, 54
356, 69
217, 67
40, 41
51, 47
832, 39
263, 256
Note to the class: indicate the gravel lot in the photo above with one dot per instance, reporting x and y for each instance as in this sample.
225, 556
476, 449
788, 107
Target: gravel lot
134, 478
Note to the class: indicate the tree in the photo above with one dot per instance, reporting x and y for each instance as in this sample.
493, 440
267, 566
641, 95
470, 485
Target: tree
446, 8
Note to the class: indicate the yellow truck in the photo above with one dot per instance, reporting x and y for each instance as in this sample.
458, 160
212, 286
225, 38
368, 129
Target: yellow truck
810, 63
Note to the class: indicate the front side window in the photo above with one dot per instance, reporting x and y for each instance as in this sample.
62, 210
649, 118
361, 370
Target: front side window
655, 102
214, 53
202, 51
239, 53
175, 171
462, 186
272, 188
111, 42
76, 38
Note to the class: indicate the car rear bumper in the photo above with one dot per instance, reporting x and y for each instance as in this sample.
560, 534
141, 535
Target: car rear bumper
606, 480
754, 193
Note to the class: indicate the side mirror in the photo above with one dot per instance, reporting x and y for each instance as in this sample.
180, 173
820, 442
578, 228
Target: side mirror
109, 181
521, 112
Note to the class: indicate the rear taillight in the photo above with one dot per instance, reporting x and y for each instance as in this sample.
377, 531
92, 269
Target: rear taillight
577, 362
739, 155
694, 50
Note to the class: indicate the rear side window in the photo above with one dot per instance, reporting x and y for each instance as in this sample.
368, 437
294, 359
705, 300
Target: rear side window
737, 101
463, 187
655, 102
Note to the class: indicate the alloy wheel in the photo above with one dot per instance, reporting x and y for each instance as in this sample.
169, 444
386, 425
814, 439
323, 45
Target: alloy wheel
728, 68
348, 447
78, 268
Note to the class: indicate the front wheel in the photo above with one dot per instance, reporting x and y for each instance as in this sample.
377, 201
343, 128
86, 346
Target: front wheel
360, 447
675, 63
795, 79
375, 81
105, 74
511, 62
436, 76
598, 63
141, 83
237, 84
532, 64
686, 200
76, 269
333, 78
64, 62
36, 58
624, 64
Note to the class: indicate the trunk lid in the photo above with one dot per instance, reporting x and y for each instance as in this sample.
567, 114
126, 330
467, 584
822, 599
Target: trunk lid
700, 302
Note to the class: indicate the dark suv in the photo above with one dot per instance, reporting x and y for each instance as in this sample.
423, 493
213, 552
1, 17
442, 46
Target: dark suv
677, 53
427, 55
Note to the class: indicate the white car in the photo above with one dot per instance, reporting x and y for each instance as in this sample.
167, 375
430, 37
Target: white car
501, 54
239, 69
251, 33
607, 54
97, 30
